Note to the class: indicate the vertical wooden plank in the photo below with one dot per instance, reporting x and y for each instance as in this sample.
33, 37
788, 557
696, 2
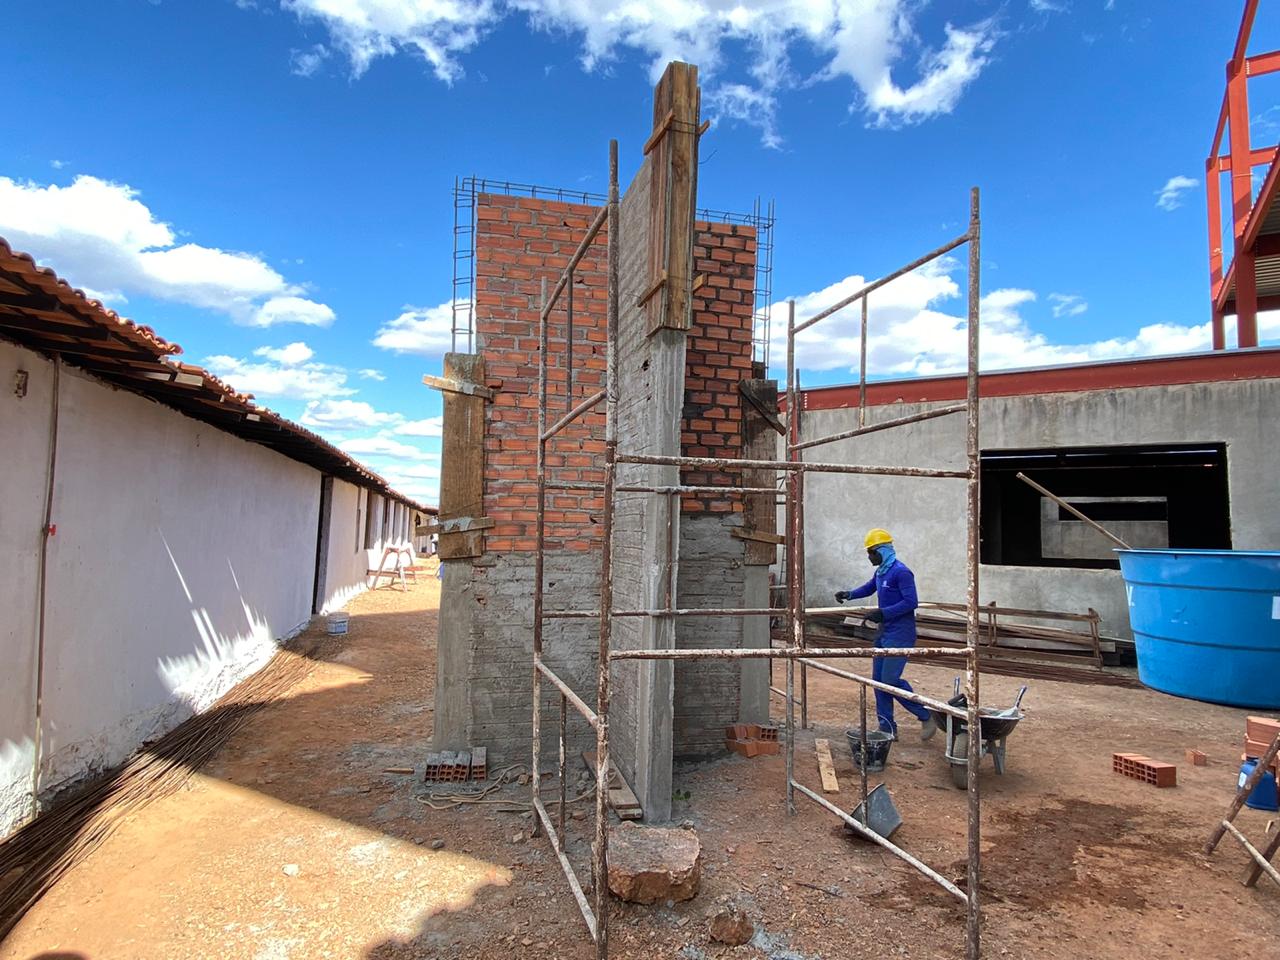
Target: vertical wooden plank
462, 457
759, 442
673, 197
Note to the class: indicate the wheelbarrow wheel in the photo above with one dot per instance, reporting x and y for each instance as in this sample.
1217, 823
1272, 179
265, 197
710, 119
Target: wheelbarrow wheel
960, 771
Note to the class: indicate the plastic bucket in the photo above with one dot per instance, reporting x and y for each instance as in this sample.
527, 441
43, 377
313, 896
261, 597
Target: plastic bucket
1206, 623
878, 744
337, 623
1263, 796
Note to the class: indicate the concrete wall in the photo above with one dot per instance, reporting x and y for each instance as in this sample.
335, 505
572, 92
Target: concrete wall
927, 517
182, 556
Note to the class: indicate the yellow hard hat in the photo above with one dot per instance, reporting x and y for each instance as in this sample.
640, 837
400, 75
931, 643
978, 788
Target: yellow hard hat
876, 537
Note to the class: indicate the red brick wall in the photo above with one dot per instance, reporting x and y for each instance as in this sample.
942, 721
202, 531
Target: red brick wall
717, 358
520, 240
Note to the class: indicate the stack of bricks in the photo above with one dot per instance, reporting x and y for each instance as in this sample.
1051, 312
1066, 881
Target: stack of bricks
450, 767
520, 241
1258, 734
718, 358
752, 740
1145, 769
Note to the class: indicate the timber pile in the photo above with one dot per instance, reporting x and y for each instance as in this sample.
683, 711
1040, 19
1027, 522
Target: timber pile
34, 858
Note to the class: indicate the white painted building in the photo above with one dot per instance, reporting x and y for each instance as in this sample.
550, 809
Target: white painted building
160, 535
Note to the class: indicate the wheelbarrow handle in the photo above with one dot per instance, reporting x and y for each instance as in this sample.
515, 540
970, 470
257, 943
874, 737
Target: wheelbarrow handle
1017, 704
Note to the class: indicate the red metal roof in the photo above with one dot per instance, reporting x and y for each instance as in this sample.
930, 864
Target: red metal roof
40, 310
1247, 364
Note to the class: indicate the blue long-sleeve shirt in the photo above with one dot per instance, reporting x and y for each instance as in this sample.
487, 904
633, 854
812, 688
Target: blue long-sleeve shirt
895, 592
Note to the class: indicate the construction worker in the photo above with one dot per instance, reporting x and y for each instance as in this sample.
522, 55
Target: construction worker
895, 588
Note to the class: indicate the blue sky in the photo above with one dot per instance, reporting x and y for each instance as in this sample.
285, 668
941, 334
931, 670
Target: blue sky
268, 182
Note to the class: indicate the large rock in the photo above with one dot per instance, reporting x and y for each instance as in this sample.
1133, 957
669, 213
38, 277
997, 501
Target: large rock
653, 864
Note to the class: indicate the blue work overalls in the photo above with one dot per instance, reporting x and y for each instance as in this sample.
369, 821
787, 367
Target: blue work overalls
895, 591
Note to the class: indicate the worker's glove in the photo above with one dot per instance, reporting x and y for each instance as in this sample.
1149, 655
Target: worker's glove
841, 596
876, 616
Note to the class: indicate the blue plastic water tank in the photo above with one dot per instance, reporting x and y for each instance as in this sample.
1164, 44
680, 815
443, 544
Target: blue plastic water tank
1206, 623
1263, 796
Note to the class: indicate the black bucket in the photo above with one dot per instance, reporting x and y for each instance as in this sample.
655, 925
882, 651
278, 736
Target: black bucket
878, 744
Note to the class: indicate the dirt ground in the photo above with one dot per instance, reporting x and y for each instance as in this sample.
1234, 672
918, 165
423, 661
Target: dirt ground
294, 844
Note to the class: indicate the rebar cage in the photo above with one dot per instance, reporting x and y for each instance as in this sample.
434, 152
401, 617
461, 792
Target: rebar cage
794, 649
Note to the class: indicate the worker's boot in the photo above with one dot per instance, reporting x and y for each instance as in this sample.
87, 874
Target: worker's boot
928, 728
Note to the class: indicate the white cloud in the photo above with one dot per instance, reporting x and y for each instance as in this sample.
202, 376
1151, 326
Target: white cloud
426, 331
103, 237
369, 373
742, 47
290, 354
345, 415
430, 427
292, 310
57, 164
1067, 304
288, 380
911, 334
1169, 197
304, 63
1048, 6
382, 446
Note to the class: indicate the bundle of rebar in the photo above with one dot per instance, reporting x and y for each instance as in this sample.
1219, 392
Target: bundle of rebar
34, 858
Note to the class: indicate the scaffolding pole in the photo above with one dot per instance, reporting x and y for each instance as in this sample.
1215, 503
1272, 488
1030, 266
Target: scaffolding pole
796, 649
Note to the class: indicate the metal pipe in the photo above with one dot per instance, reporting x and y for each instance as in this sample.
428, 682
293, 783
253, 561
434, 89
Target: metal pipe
578, 254
862, 370
568, 352
663, 612
877, 284
587, 913
571, 416
793, 582
893, 848
797, 466
862, 742
563, 766
567, 692
1072, 510
600, 859
540, 547
884, 425
790, 653
643, 488
801, 581
973, 920
940, 705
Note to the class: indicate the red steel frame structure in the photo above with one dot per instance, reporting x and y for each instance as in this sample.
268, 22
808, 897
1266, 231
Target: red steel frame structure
1236, 290
595, 911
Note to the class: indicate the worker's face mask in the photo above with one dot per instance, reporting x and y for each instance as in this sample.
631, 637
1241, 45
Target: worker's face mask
874, 556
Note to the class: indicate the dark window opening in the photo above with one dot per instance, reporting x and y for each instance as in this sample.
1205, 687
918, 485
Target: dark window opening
1149, 496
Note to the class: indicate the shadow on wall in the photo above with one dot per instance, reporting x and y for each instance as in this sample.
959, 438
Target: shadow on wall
229, 639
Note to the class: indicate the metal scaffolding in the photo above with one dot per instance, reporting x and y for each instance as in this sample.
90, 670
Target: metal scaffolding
595, 910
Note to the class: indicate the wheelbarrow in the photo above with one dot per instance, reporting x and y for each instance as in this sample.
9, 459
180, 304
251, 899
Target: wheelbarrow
995, 727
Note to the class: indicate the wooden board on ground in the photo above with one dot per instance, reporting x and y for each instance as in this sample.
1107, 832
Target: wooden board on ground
826, 766
621, 798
